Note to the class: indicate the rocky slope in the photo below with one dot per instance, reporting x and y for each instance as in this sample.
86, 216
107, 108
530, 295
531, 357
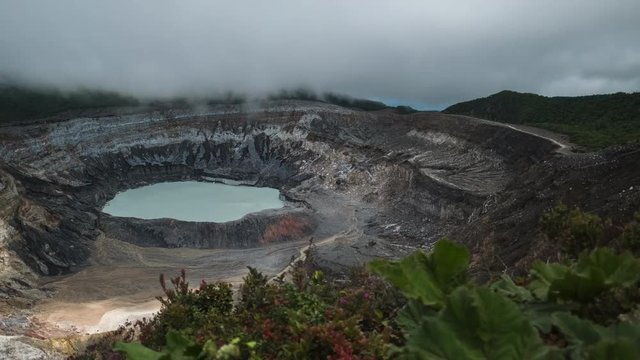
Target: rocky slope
385, 182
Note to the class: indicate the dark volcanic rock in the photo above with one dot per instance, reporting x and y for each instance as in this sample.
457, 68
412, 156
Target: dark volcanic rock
252, 230
606, 183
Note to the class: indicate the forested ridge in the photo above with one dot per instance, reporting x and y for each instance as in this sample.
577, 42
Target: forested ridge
594, 121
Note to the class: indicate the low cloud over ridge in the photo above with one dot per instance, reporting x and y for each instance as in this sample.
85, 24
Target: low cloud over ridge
418, 52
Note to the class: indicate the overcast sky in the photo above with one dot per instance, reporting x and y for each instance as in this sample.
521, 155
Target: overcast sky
429, 53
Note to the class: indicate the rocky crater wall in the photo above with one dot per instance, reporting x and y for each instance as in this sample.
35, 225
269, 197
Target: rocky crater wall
413, 178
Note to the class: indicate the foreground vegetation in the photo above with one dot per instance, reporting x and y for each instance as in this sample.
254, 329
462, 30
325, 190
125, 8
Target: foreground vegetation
595, 121
425, 306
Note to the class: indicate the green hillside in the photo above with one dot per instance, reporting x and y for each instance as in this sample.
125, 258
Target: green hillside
22, 103
594, 121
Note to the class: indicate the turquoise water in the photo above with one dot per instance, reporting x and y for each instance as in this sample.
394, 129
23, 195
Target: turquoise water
193, 201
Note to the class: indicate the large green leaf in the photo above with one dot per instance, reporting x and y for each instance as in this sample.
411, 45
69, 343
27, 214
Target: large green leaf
413, 314
178, 347
137, 351
476, 324
622, 349
449, 263
543, 276
507, 287
427, 278
578, 331
591, 341
538, 312
593, 273
615, 269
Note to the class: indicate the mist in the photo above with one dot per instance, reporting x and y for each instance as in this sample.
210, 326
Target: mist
425, 53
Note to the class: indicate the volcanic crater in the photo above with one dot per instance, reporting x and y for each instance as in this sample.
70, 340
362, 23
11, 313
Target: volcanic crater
357, 185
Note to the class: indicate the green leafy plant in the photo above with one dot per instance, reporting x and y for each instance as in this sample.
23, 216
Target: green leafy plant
593, 273
448, 318
591, 341
502, 320
180, 347
476, 323
428, 278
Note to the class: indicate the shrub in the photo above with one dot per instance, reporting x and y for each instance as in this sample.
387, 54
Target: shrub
197, 312
573, 230
630, 238
309, 318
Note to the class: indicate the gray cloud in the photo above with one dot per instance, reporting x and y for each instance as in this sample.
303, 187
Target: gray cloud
430, 52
